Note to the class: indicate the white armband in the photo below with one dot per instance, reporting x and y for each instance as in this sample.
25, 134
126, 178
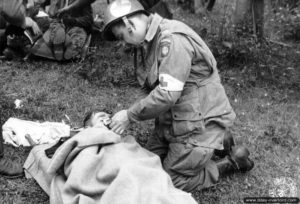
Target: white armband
169, 83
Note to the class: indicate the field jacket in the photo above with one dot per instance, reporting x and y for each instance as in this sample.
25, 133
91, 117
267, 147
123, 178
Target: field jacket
186, 90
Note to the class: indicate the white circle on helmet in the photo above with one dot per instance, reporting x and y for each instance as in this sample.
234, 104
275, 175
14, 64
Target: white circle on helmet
120, 8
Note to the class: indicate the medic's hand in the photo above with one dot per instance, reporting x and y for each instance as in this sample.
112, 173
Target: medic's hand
120, 122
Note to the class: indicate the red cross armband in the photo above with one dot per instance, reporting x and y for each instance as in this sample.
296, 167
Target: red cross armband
170, 83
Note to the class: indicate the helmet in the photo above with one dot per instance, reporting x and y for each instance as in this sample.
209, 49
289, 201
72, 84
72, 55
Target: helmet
116, 11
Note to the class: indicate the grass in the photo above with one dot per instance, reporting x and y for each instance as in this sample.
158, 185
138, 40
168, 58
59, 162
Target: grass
268, 112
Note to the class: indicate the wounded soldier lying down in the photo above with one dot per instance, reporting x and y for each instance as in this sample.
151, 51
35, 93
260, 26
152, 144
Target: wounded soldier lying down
92, 119
98, 166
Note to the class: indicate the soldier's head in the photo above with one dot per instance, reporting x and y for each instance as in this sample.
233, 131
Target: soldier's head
125, 20
96, 119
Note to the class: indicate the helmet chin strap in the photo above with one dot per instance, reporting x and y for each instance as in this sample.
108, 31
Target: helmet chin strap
129, 28
127, 24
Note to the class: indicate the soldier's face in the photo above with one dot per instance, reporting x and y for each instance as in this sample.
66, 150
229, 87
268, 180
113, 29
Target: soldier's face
134, 34
99, 119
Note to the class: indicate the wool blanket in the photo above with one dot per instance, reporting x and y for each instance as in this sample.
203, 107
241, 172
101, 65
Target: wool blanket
97, 166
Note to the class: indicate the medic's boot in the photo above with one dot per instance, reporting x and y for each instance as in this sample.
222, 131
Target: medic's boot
10, 168
238, 161
228, 143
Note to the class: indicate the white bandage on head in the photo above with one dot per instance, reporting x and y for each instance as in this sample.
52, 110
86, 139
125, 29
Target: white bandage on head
170, 83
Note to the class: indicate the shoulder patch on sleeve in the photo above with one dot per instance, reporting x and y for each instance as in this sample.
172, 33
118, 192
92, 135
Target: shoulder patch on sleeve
165, 50
164, 46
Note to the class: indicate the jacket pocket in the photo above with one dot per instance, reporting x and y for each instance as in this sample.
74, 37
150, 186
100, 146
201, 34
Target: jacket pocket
187, 117
216, 106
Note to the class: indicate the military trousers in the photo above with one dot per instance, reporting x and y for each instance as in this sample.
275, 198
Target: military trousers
189, 164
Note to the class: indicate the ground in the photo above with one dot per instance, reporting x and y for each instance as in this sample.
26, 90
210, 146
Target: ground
263, 90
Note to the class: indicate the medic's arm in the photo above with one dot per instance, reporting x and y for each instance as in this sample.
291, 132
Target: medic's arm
174, 58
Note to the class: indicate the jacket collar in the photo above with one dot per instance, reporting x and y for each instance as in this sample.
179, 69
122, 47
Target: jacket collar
155, 21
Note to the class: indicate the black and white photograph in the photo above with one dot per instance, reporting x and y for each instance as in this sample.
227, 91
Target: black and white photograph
149, 101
